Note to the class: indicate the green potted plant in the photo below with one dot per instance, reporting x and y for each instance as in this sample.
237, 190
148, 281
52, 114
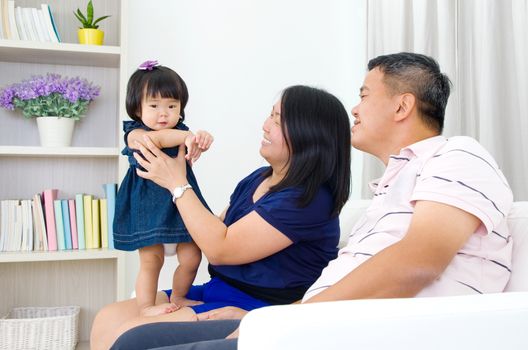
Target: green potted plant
89, 32
54, 101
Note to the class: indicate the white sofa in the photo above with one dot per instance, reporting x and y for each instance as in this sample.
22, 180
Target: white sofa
492, 321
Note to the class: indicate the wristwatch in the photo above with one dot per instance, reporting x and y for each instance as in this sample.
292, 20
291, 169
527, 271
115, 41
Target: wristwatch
178, 191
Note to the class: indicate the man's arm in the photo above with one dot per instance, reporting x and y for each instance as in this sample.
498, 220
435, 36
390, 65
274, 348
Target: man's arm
436, 233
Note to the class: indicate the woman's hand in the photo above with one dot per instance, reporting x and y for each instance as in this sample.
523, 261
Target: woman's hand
160, 168
223, 313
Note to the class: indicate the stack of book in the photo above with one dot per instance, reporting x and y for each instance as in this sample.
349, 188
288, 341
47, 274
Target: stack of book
46, 223
27, 23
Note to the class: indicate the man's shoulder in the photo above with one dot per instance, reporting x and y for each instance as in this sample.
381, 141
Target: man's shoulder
463, 147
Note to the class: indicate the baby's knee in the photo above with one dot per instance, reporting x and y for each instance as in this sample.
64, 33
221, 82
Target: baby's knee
152, 256
189, 255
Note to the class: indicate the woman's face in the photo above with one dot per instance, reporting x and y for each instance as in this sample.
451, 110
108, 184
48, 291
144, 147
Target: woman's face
273, 146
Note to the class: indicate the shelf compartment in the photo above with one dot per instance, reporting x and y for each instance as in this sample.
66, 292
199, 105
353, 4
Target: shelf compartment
60, 255
59, 53
35, 151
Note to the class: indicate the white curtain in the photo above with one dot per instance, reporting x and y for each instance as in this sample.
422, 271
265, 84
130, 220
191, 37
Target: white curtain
482, 45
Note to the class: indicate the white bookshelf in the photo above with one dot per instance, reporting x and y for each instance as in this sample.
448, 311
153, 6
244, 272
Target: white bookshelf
59, 53
36, 151
89, 278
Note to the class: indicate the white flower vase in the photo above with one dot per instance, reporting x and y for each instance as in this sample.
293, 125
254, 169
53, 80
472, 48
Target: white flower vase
55, 131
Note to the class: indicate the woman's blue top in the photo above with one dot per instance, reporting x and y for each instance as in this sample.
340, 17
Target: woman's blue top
284, 276
145, 214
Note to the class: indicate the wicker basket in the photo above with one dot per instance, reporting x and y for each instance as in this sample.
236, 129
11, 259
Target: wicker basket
38, 328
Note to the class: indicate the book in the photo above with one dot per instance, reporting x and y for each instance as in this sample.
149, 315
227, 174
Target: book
46, 14
53, 23
49, 197
3, 224
42, 24
88, 230
104, 222
12, 22
110, 190
40, 242
96, 224
16, 242
79, 215
66, 223
4, 12
20, 24
59, 222
29, 25
73, 224
27, 226
2, 34
38, 26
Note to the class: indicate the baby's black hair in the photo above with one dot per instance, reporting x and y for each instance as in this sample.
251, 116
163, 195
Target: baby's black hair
160, 81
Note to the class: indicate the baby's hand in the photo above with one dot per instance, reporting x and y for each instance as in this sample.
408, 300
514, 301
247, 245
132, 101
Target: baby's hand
182, 301
161, 309
193, 151
204, 140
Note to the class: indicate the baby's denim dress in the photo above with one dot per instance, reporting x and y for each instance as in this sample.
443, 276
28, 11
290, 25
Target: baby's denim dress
145, 214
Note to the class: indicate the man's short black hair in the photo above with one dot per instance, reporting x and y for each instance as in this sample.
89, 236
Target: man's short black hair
421, 76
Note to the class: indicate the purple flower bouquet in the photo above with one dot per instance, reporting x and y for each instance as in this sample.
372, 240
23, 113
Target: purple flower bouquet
50, 96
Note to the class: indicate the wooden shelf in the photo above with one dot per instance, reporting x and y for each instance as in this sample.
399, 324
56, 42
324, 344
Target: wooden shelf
59, 53
61, 255
36, 151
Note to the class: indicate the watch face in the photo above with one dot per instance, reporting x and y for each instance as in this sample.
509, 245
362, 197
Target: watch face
178, 191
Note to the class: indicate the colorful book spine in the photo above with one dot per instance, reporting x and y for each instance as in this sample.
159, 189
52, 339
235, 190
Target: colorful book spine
96, 224
79, 215
49, 197
104, 222
73, 224
55, 30
88, 230
110, 191
66, 223
46, 12
60, 224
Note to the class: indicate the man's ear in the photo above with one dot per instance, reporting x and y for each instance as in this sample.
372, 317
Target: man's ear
407, 103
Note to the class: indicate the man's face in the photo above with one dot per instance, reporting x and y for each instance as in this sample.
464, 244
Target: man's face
374, 115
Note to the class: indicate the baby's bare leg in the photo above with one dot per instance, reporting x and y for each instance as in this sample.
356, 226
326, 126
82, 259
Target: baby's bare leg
151, 260
189, 257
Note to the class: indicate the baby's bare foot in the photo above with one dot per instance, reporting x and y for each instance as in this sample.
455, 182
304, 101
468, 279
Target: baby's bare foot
161, 309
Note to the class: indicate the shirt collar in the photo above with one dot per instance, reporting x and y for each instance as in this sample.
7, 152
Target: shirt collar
423, 148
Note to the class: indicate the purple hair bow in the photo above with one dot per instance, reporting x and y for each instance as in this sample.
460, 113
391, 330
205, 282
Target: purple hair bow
148, 65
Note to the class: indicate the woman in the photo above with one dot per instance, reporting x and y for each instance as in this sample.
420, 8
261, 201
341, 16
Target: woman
281, 227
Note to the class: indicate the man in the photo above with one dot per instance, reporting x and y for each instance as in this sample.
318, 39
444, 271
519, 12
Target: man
437, 222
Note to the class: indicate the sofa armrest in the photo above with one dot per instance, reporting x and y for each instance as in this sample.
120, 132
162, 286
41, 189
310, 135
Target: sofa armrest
492, 321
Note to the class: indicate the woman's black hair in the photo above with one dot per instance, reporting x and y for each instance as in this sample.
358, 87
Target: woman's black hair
317, 133
161, 81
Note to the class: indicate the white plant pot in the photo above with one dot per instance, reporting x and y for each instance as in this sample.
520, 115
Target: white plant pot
55, 131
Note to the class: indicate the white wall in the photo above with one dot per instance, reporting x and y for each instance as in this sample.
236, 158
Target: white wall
236, 56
